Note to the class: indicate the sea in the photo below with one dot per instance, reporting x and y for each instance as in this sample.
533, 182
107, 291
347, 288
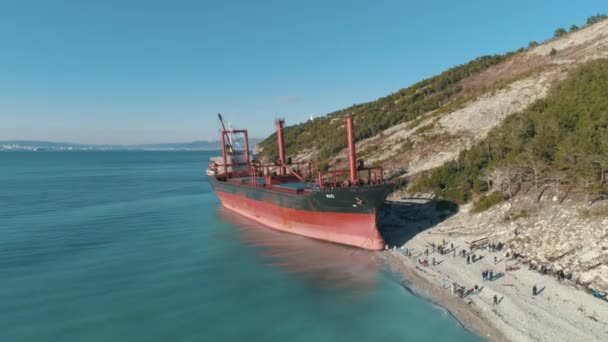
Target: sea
135, 246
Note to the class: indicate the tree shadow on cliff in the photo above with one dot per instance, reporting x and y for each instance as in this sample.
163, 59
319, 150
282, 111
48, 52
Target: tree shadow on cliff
400, 221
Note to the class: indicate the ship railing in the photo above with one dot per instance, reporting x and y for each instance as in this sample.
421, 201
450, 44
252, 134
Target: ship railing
271, 174
320, 180
340, 178
300, 170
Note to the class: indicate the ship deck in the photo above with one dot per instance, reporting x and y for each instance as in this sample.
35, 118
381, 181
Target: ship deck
296, 186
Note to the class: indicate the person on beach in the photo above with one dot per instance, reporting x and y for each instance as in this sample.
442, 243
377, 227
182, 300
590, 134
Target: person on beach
468, 259
495, 300
433, 261
495, 260
534, 290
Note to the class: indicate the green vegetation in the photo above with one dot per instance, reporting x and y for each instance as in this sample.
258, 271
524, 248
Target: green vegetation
560, 32
561, 140
487, 201
401, 182
423, 129
326, 134
573, 28
406, 145
596, 18
553, 52
596, 212
369, 151
446, 206
517, 215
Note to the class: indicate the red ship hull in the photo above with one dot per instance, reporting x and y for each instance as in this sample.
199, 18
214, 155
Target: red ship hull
349, 228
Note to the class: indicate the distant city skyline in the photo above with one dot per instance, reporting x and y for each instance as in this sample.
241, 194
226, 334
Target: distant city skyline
135, 72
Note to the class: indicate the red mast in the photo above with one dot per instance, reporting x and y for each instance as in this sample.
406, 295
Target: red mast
247, 157
279, 123
352, 158
223, 142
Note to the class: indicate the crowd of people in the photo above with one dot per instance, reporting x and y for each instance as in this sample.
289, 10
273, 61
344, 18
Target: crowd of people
472, 255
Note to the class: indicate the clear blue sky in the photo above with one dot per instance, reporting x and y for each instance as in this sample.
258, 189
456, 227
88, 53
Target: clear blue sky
126, 71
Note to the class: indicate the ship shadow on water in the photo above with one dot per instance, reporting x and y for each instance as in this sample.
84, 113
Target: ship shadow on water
321, 265
399, 221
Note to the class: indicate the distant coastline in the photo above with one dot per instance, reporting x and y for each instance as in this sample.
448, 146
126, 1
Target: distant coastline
29, 145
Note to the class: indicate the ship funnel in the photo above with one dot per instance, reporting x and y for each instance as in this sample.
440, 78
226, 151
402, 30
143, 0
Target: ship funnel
352, 158
279, 123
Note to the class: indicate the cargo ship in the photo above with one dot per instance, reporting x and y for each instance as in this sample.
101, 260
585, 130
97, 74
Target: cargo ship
339, 206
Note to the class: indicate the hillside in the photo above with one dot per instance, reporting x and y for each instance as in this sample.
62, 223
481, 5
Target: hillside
440, 93
519, 142
559, 140
423, 126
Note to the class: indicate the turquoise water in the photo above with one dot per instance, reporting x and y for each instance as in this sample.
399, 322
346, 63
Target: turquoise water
133, 246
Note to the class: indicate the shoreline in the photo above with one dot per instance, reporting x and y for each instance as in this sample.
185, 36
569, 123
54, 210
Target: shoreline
558, 313
465, 315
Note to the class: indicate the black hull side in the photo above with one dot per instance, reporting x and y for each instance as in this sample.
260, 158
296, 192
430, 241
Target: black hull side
357, 199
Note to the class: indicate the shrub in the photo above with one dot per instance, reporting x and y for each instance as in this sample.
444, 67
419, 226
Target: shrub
487, 201
401, 182
596, 18
559, 32
517, 215
441, 205
423, 129
553, 52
